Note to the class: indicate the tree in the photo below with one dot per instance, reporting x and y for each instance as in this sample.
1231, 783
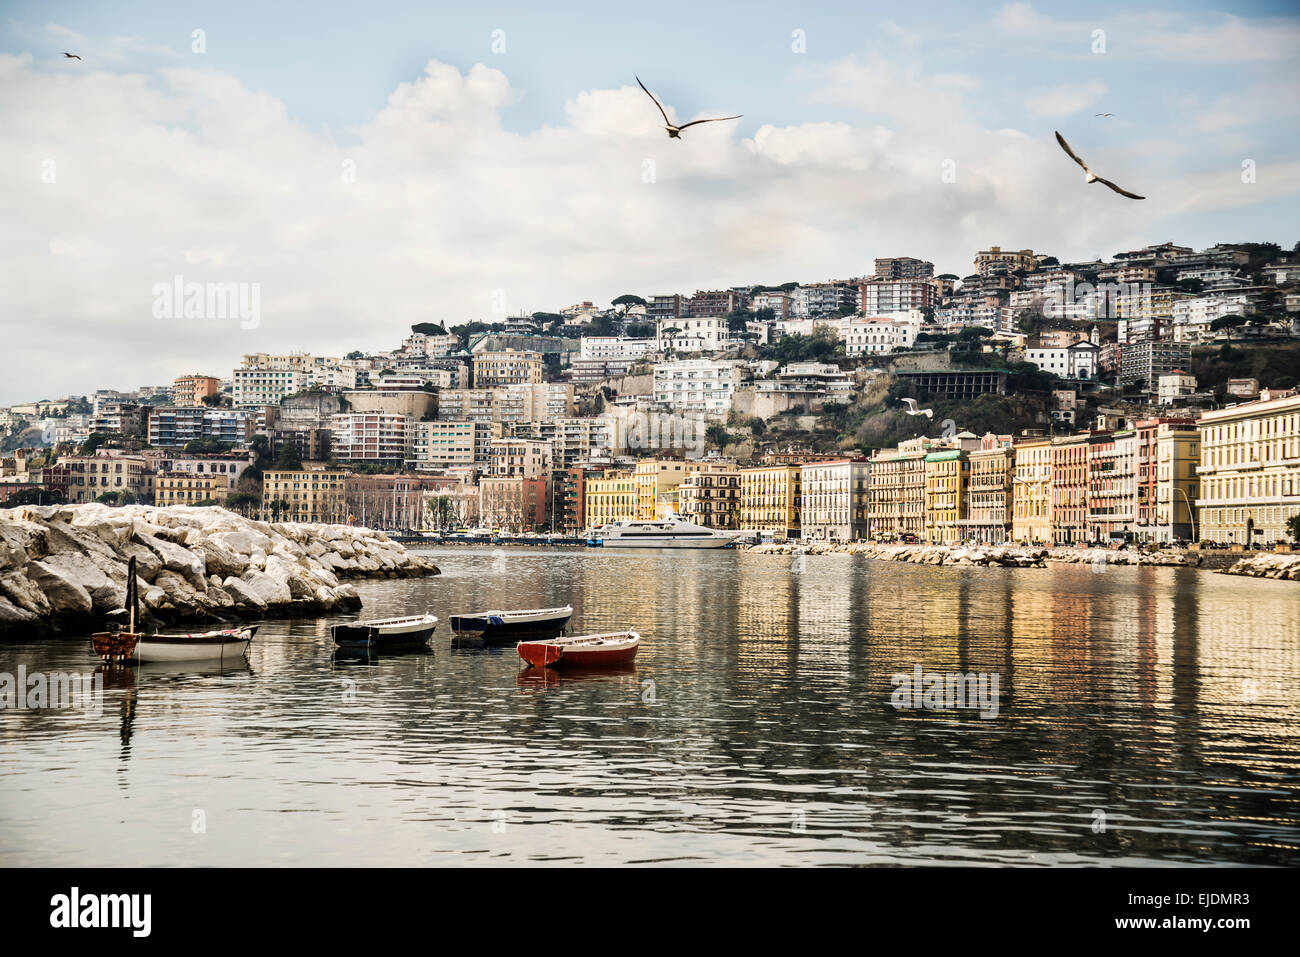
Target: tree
206, 446
288, 460
1293, 527
108, 498
626, 301
1228, 322
355, 354
34, 496
93, 442
242, 502
423, 328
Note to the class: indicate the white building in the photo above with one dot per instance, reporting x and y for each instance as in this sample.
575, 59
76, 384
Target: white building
379, 437
694, 334
615, 348
878, 334
700, 385
1078, 361
440, 444
1192, 318
265, 386
1174, 386
833, 501
886, 296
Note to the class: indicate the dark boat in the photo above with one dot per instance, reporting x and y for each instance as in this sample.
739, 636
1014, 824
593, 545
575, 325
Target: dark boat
381, 633
510, 626
116, 644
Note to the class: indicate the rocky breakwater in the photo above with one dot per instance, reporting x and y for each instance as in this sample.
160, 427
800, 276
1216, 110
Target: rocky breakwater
1285, 567
1127, 556
66, 565
1000, 555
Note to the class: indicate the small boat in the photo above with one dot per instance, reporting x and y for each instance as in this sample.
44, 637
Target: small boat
410, 631
581, 651
521, 624
226, 645
116, 644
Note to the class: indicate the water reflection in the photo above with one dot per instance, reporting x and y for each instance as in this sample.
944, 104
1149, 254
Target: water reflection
755, 726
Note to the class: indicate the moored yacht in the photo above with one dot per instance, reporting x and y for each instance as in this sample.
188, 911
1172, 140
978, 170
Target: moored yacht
664, 533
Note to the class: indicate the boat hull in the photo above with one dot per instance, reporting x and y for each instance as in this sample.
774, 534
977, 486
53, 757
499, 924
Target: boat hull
665, 543
114, 645
505, 631
370, 636
152, 649
564, 654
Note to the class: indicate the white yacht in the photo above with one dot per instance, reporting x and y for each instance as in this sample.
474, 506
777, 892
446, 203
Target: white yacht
665, 533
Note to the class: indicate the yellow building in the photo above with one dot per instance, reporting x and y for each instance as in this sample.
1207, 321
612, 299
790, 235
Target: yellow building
770, 500
313, 493
1031, 520
1249, 472
187, 488
1178, 453
492, 369
90, 476
710, 496
992, 474
947, 476
656, 485
896, 491
610, 498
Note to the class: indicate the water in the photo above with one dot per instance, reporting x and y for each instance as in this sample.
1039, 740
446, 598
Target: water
1145, 716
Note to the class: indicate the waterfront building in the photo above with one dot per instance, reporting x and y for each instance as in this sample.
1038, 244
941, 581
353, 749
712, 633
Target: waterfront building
189, 390
190, 488
656, 485
392, 501
612, 497
1249, 471
896, 490
710, 496
1069, 511
1112, 459
833, 500
90, 476
1168, 451
771, 501
514, 504
313, 493
947, 480
1031, 520
508, 367
992, 474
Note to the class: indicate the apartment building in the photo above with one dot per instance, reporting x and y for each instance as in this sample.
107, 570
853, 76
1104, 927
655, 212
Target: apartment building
1249, 473
903, 267
878, 334
1168, 451
697, 385
1112, 488
896, 490
520, 458
508, 367
190, 488
1069, 510
437, 445
710, 496
692, 334
882, 297
174, 427
992, 474
257, 386
1031, 520
611, 497
998, 261
833, 500
771, 501
383, 438
189, 390
313, 493
90, 476
824, 299
947, 482
514, 504
1145, 362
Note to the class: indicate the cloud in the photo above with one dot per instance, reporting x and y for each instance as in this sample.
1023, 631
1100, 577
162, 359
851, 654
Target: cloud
434, 209
1065, 99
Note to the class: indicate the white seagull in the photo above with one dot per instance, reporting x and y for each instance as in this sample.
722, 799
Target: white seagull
1093, 177
913, 410
675, 132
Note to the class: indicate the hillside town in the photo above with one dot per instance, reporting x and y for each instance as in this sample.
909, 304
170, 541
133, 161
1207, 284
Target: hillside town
1151, 398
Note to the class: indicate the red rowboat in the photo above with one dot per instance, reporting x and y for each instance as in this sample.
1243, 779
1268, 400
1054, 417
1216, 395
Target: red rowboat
581, 651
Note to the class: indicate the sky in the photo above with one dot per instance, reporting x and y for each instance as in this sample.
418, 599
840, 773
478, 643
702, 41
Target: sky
362, 167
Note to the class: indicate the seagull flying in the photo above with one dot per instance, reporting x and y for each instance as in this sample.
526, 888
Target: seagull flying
675, 132
1103, 114
913, 410
1093, 177
72, 56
